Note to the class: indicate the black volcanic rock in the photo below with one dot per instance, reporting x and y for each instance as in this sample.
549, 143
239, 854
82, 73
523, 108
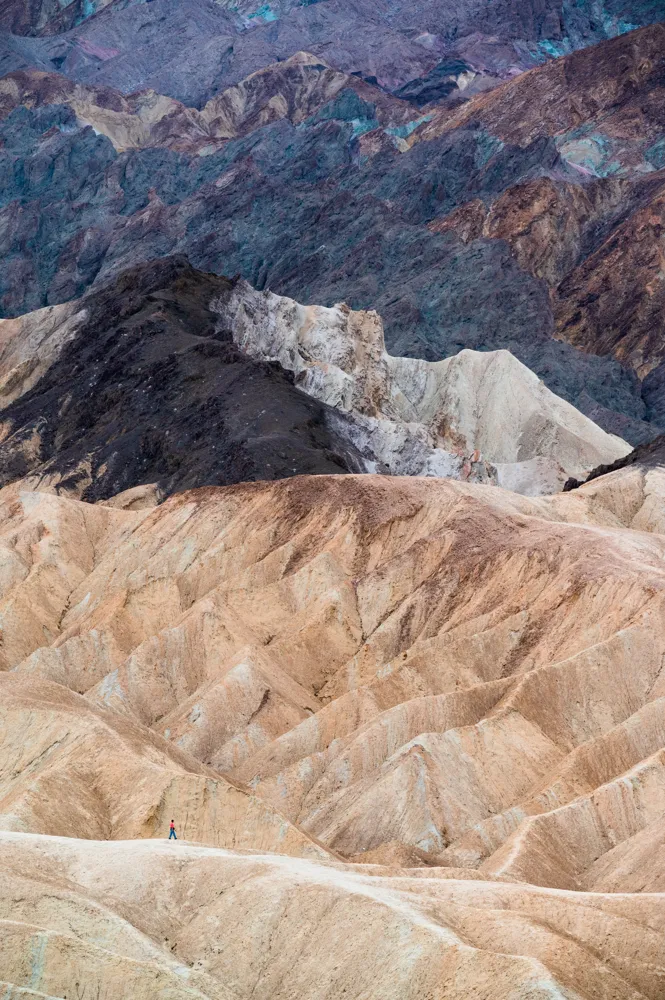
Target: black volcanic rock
151, 390
436, 85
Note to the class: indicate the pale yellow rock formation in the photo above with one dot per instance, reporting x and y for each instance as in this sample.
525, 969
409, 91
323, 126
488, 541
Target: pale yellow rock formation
31, 343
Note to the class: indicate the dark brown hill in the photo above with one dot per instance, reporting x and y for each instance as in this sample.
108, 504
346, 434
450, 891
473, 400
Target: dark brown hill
149, 389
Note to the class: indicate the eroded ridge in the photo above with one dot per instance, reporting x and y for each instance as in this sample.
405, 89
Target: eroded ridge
450, 696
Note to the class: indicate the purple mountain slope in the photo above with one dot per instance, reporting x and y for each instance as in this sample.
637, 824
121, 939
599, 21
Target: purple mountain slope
191, 50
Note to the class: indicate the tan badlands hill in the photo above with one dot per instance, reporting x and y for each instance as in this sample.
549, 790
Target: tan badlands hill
359, 675
146, 919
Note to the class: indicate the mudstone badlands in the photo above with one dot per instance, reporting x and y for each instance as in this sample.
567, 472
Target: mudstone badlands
332, 500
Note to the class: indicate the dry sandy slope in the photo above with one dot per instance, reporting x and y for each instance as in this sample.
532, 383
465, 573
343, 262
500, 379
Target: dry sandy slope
68, 768
405, 672
182, 921
385, 661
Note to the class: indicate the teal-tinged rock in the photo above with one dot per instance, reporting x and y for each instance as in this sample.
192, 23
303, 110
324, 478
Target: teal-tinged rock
592, 153
347, 106
404, 131
554, 49
487, 146
264, 13
655, 155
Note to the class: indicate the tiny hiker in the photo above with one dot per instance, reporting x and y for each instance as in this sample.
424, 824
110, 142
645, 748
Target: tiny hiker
172, 833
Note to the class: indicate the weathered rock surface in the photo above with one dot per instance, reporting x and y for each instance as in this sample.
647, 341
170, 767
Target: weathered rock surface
646, 456
589, 102
606, 261
411, 730
411, 417
191, 51
31, 343
613, 301
341, 643
83, 772
294, 89
179, 378
191, 922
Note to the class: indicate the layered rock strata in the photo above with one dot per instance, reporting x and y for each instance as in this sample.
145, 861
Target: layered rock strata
476, 415
411, 732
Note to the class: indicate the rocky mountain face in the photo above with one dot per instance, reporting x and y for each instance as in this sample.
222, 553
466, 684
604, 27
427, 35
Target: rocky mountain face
191, 51
646, 456
477, 415
141, 383
495, 224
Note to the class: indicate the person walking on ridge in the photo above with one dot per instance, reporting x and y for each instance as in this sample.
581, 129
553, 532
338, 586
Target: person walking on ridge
172, 833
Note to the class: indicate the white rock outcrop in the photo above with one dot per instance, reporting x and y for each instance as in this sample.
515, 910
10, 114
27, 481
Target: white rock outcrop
481, 416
